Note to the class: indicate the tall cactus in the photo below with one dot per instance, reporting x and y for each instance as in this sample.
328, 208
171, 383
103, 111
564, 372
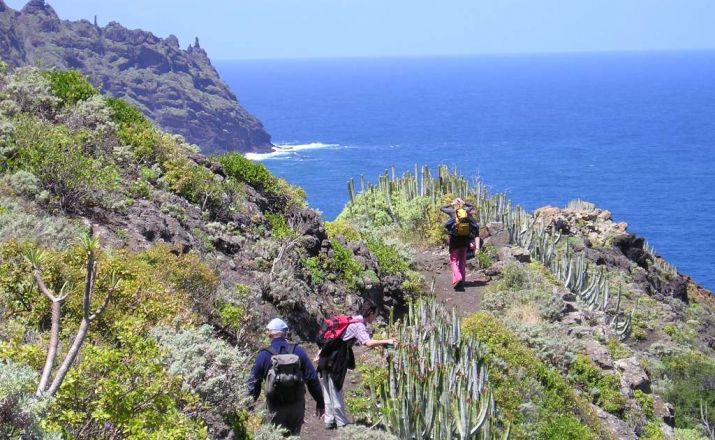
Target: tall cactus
438, 385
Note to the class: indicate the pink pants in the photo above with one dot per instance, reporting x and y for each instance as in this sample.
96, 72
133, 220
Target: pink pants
458, 263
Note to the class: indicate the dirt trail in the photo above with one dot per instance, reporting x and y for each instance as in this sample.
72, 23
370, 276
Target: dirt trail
434, 265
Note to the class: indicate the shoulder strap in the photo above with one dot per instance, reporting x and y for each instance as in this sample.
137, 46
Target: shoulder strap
292, 348
271, 350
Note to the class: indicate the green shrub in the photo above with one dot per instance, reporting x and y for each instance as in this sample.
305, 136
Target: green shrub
604, 388
388, 258
690, 376
652, 431
244, 170
20, 412
617, 350
279, 226
343, 263
646, 403
208, 367
565, 427
689, 434
126, 392
69, 85
191, 181
279, 192
315, 266
342, 228
126, 114
524, 387
55, 155
515, 276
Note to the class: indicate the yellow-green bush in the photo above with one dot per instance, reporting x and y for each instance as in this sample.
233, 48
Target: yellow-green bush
69, 85
56, 156
604, 388
342, 228
522, 381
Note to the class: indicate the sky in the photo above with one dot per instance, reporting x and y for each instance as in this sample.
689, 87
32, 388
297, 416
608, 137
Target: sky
257, 29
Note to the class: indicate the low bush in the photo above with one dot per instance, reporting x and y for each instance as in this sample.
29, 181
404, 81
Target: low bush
279, 192
342, 228
315, 268
388, 258
20, 412
690, 377
529, 394
69, 85
343, 264
125, 391
126, 114
56, 156
279, 226
604, 388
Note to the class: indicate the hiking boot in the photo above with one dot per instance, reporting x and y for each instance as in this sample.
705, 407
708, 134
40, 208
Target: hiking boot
331, 425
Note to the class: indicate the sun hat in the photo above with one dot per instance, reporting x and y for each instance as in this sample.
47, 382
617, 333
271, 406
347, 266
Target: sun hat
277, 325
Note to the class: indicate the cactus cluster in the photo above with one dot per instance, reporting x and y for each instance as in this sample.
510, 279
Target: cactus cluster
580, 205
420, 183
569, 267
588, 282
660, 264
438, 385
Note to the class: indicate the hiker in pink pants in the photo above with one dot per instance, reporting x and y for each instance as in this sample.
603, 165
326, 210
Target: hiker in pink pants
462, 230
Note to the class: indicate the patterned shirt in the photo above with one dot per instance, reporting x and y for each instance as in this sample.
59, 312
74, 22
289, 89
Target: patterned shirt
357, 330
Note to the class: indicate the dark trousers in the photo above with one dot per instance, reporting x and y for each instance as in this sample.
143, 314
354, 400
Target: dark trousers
288, 415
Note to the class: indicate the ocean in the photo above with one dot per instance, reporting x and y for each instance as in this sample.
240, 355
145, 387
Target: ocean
633, 133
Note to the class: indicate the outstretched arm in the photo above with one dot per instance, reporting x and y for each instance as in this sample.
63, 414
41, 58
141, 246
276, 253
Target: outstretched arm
379, 342
448, 209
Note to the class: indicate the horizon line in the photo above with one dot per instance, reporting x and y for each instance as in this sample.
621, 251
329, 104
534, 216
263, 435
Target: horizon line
465, 55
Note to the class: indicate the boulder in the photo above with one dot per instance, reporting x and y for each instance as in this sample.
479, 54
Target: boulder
520, 254
599, 355
504, 254
498, 235
615, 426
633, 375
663, 411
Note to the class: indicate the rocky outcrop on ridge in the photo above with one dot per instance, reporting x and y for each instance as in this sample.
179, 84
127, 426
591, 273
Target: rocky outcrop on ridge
177, 89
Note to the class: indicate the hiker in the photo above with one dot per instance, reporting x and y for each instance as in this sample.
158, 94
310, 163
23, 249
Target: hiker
286, 369
463, 229
336, 357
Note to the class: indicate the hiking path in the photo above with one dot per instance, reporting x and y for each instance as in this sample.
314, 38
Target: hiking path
433, 264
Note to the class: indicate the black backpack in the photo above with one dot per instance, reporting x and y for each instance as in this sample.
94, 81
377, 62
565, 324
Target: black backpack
284, 381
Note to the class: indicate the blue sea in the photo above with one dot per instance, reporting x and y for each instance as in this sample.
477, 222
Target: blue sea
633, 133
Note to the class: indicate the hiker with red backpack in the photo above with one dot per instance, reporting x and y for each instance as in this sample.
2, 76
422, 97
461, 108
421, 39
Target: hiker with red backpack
336, 339
463, 229
287, 370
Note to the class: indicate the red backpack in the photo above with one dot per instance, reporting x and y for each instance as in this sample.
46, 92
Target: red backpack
332, 330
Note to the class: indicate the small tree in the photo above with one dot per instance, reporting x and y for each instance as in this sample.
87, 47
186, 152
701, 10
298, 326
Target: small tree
36, 257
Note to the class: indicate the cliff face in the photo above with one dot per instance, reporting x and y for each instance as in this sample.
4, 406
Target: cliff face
177, 89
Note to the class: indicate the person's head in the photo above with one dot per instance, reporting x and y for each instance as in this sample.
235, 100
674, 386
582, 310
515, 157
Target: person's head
277, 328
368, 310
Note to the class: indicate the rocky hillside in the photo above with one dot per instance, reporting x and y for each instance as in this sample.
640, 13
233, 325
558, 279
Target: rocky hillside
179, 90
588, 333
193, 256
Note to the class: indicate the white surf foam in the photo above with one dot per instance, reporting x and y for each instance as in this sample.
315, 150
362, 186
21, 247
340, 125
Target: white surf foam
287, 150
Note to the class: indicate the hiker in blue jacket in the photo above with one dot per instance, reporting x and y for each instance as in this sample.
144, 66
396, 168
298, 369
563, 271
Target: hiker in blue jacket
285, 411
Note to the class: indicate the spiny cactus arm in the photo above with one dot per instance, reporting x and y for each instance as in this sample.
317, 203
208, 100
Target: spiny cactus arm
483, 415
